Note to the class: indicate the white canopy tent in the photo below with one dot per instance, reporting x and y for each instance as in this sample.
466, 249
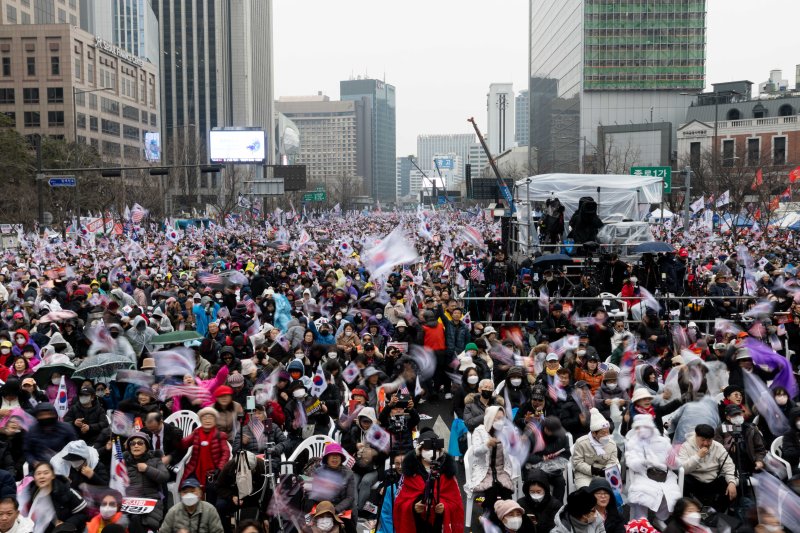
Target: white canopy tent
618, 196
659, 215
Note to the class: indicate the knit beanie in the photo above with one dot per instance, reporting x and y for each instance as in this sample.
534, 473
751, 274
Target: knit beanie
597, 421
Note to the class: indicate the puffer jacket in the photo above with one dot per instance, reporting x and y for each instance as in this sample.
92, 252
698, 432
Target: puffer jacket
474, 409
542, 514
346, 497
482, 454
145, 484
584, 458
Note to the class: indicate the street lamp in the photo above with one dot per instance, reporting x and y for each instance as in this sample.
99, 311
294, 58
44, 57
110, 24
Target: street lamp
76, 92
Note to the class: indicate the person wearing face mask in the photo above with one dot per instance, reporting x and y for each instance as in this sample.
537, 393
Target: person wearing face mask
511, 517
109, 512
651, 484
48, 436
610, 393
317, 420
122, 345
686, 517
786, 406
595, 452
87, 415
347, 341
192, 514
579, 514
475, 405
517, 387
538, 505
5, 353
469, 385
492, 471
750, 452
446, 509
325, 519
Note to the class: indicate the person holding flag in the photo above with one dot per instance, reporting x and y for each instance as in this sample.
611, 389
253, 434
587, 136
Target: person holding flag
146, 475
50, 502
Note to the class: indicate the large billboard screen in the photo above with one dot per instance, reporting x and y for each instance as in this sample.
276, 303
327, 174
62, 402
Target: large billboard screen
237, 146
152, 146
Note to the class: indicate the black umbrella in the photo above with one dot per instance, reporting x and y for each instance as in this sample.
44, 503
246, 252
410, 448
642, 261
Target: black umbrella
552, 260
653, 247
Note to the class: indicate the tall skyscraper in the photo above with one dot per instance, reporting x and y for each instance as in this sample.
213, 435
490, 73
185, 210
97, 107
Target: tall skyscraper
500, 112
522, 125
606, 78
380, 98
403, 176
129, 24
430, 145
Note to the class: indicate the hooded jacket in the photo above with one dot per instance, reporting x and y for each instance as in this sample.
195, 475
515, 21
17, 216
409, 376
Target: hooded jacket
791, 441
140, 338
564, 523
482, 454
541, 514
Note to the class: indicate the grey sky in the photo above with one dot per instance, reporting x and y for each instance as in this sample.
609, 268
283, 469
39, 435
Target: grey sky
443, 54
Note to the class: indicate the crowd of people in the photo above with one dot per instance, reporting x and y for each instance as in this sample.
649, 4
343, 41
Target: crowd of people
244, 377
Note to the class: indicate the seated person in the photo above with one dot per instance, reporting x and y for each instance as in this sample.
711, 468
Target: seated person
710, 474
595, 452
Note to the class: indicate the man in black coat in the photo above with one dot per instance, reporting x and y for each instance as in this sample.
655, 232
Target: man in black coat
87, 415
48, 436
556, 325
165, 439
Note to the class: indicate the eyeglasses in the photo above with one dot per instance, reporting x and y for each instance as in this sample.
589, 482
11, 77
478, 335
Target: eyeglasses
137, 443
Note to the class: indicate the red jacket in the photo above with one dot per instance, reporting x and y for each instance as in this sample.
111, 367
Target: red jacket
434, 337
220, 452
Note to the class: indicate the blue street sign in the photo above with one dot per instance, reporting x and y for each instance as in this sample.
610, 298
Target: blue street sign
62, 181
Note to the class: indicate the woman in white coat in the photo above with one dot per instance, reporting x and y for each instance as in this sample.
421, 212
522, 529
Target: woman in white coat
492, 471
651, 485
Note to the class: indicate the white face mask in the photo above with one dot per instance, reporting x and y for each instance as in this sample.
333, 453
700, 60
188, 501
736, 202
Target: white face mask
107, 511
782, 399
20, 340
55, 381
604, 440
299, 393
644, 432
611, 386
427, 455
737, 420
535, 496
693, 519
325, 523
472, 380
348, 333
498, 425
5, 351
513, 522
515, 382
85, 400
189, 499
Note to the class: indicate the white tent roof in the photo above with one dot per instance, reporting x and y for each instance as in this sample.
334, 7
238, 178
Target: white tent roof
658, 213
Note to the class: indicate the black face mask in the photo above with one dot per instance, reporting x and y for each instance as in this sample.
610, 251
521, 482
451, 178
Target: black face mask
47, 422
486, 394
114, 334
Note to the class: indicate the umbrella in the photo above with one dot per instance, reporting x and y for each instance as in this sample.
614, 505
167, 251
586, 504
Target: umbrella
58, 316
102, 367
653, 247
45, 372
234, 277
175, 337
552, 260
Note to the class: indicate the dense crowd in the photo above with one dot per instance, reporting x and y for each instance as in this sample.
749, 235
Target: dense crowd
244, 377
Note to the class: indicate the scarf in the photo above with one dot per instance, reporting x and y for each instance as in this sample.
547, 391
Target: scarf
646, 410
599, 449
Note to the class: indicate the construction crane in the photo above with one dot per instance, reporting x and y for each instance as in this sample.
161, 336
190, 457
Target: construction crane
508, 198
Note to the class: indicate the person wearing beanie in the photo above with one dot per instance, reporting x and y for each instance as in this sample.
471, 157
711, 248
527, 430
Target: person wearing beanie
652, 486
710, 473
538, 504
610, 393
511, 517
595, 452
579, 515
146, 475
210, 451
446, 512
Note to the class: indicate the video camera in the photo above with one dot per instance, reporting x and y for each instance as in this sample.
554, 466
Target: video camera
433, 444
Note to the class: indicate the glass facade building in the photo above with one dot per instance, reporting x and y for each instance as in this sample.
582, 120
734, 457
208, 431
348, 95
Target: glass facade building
381, 98
597, 66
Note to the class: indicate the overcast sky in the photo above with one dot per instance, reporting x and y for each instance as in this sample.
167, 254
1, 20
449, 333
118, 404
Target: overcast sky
441, 55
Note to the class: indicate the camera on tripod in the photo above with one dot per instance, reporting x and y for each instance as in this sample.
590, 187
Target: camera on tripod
734, 430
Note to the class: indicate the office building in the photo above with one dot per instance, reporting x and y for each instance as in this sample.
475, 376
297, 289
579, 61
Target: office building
59, 80
501, 116
40, 12
403, 176
606, 80
522, 125
428, 145
328, 138
477, 160
380, 99
216, 71
129, 24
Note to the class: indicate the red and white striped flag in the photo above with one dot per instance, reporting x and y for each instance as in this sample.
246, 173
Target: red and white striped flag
210, 279
138, 213
119, 472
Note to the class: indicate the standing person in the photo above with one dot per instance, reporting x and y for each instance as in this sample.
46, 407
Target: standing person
428, 467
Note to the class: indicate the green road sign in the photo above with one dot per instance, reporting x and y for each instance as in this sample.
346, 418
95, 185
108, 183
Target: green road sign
316, 196
665, 173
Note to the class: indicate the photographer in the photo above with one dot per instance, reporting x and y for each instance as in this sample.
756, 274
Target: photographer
429, 499
742, 440
400, 419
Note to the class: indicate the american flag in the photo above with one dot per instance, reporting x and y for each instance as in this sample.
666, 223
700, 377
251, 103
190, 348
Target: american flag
210, 279
257, 427
138, 213
404, 390
407, 272
474, 273
552, 392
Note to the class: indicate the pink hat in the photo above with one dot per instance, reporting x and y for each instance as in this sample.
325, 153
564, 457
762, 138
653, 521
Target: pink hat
331, 448
503, 507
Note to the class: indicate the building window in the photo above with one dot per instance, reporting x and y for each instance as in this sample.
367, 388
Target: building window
110, 127
93, 123
109, 106
90, 73
129, 132
153, 121
94, 143
31, 64
81, 121
734, 114
12, 116
55, 118
111, 148
55, 95
132, 153
62, 16
32, 119
728, 152
55, 66
78, 68
753, 151
11, 14
25, 18
694, 155
6, 66
80, 99
30, 95
6, 96
130, 112
785, 110
92, 101
779, 150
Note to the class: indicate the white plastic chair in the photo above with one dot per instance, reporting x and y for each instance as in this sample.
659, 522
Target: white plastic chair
681, 475
570, 470
776, 449
499, 389
187, 421
173, 486
467, 491
314, 445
